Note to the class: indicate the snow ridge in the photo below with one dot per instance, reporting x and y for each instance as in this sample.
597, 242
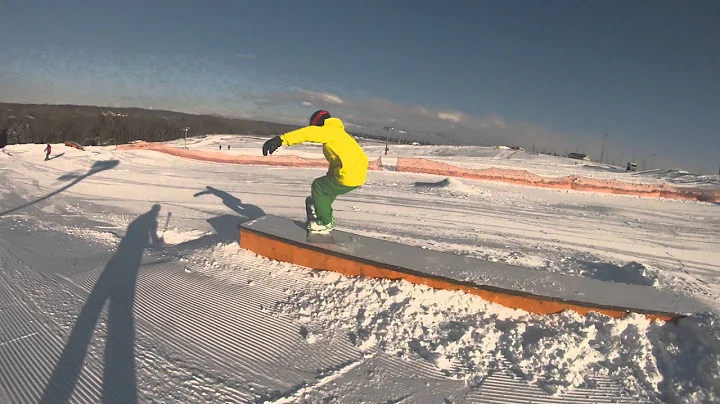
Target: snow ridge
451, 186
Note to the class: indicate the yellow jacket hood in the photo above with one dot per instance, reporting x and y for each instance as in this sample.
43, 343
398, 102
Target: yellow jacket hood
334, 122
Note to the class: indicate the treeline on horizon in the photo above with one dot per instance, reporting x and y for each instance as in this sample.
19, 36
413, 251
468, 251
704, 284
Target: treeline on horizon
98, 126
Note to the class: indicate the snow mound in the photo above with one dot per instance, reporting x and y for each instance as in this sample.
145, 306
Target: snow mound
634, 273
450, 186
466, 337
170, 236
103, 237
175, 236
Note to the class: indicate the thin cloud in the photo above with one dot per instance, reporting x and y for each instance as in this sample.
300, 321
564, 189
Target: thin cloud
370, 115
246, 56
324, 97
449, 117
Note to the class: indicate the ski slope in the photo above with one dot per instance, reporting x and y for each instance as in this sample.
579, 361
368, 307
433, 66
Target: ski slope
204, 321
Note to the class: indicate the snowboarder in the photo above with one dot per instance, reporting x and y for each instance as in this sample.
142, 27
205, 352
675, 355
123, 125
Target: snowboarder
47, 151
347, 171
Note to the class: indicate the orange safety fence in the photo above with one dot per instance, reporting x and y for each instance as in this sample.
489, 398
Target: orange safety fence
704, 195
615, 187
522, 177
219, 157
424, 166
74, 144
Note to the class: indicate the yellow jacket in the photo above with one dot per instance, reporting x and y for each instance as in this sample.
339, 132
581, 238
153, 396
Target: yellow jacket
348, 162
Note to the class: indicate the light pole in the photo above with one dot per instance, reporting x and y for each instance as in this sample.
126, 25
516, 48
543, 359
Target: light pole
186, 131
602, 153
387, 137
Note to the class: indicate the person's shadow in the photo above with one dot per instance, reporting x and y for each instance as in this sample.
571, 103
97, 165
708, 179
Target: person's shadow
249, 211
116, 286
97, 167
225, 226
56, 156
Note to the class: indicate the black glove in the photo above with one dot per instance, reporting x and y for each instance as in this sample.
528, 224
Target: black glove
271, 145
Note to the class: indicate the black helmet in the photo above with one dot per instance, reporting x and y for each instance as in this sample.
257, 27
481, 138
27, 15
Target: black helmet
319, 117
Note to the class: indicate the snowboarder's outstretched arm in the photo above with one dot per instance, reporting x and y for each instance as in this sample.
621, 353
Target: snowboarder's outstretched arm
208, 190
311, 134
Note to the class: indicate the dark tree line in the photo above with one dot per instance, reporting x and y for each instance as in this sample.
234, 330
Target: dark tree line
93, 125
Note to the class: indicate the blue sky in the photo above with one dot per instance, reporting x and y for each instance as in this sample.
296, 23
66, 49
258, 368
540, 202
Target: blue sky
552, 74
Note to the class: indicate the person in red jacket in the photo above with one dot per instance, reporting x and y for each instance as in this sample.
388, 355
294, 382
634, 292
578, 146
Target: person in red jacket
47, 151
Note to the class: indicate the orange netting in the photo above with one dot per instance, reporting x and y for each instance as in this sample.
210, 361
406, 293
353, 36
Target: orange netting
75, 145
218, 157
704, 195
616, 187
522, 177
423, 166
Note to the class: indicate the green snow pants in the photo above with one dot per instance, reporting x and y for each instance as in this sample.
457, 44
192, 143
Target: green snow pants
324, 191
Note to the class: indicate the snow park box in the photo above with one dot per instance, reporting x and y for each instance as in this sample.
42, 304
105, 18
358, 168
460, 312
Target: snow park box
515, 287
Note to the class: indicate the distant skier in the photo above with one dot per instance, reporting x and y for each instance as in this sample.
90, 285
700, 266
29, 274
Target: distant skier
347, 171
47, 151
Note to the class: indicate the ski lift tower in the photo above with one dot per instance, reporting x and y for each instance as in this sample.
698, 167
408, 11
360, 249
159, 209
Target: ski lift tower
186, 131
387, 138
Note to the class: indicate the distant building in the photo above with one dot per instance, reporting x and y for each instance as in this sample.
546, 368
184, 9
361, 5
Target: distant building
579, 156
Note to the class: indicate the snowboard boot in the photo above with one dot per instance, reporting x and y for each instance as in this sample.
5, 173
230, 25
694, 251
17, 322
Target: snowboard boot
310, 210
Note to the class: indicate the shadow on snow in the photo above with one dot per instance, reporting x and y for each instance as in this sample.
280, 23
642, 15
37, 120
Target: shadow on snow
115, 286
98, 167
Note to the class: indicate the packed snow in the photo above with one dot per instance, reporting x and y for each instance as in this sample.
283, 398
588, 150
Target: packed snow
215, 323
